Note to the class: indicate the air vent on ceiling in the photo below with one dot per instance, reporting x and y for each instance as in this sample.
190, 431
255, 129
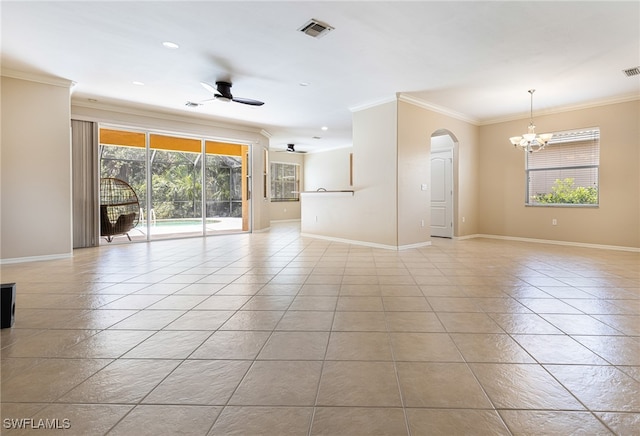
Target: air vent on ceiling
632, 71
315, 28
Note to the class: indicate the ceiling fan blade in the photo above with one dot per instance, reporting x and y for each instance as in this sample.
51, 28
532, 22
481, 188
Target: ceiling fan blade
247, 101
209, 88
222, 91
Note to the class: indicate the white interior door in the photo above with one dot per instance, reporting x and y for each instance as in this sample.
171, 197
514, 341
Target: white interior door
442, 193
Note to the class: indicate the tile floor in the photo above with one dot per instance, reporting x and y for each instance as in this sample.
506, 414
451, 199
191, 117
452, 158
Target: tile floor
272, 333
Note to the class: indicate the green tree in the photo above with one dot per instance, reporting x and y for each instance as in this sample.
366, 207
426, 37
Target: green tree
565, 192
176, 180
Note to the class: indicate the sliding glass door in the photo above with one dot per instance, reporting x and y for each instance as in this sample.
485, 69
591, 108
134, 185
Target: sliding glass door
179, 181
227, 197
123, 156
176, 186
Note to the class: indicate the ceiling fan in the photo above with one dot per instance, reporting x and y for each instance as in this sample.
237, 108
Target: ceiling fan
291, 148
222, 91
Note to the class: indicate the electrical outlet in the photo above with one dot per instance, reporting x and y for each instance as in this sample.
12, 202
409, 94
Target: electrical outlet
554, 222
463, 219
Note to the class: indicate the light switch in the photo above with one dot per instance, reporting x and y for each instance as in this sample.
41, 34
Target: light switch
423, 187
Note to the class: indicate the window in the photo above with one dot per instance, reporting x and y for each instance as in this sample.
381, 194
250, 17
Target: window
285, 182
565, 173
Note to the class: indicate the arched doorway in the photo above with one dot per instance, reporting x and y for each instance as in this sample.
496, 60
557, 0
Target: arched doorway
443, 143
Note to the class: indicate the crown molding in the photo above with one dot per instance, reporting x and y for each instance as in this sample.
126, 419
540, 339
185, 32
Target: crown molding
371, 104
563, 109
439, 109
460, 116
159, 115
38, 78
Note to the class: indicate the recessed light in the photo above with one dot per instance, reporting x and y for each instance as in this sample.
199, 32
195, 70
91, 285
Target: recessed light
324, 128
171, 45
138, 83
304, 83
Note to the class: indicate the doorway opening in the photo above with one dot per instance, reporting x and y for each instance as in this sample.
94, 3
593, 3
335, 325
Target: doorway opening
442, 184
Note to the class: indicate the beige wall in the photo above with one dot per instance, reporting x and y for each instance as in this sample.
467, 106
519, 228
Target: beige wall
416, 124
286, 210
370, 215
35, 169
616, 222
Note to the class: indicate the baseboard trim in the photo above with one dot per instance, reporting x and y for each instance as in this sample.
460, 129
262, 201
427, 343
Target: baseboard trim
35, 258
411, 246
367, 244
552, 242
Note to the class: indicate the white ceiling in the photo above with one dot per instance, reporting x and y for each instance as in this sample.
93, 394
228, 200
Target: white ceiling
477, 59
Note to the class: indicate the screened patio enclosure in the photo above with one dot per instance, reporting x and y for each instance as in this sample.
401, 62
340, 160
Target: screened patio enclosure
186, 186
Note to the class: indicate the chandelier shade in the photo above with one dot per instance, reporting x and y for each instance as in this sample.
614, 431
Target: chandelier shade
529, 141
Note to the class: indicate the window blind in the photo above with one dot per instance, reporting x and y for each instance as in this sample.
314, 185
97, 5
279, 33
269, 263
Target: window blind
571, 158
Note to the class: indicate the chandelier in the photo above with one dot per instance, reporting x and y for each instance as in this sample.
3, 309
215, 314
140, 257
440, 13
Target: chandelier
530, 141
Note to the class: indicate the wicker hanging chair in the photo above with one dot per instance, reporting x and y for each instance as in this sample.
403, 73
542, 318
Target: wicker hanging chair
119, 208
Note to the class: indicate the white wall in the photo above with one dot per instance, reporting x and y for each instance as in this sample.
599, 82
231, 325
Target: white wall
328, 170
36, 169
441, 142
369, 216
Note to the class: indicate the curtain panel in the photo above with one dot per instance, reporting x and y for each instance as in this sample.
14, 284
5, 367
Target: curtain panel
85, 183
